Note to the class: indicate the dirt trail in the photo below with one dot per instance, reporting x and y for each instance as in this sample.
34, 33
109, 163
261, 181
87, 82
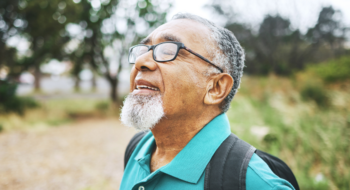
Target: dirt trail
86, 154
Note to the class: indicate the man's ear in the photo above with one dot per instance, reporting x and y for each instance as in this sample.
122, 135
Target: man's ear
218, 88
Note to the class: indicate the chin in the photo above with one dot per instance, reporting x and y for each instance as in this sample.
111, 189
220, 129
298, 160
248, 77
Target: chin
142, 111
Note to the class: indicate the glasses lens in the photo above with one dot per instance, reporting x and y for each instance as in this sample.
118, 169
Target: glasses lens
165, 52
136, 52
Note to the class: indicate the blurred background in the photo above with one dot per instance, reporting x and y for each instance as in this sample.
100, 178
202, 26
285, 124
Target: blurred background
64, 74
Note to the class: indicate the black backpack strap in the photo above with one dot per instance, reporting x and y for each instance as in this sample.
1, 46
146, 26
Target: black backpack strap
132, 145
228, 167
278, 167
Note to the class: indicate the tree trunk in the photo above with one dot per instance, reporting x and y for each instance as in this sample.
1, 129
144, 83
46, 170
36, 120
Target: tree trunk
93, 82
37, 75
77, 84
114, 90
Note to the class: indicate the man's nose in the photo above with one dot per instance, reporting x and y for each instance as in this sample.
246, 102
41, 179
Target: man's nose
146, 62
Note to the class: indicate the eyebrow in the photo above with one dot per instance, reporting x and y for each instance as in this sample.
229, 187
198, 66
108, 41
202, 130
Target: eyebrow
170, 37
166, 37
145, 40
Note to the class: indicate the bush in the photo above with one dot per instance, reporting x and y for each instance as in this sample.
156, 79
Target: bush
332, 71
316, 93
7, 90
102, 106
9, 102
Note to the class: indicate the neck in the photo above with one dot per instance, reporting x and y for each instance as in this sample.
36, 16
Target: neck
173, 134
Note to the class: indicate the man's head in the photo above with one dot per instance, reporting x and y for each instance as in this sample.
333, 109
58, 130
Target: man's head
187, 87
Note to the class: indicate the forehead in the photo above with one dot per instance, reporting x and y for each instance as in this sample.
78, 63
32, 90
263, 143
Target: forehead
189, 32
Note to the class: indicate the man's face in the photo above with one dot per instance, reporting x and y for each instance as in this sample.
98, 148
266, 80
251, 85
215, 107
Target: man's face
175, 89
181, 82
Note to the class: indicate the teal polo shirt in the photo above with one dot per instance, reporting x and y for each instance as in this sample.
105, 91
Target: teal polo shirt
187, 169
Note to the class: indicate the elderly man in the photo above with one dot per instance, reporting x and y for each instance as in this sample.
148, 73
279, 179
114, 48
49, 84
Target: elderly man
184, 77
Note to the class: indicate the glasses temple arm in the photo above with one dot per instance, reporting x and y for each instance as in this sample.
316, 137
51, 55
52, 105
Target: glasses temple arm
203, 58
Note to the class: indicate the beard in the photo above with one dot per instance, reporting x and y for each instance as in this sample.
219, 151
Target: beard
142, 112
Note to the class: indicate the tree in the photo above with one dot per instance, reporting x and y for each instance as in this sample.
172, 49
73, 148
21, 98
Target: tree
42, 24
109, 28
269, 49
45, 30
10, 25
328, 33
277, 47
271, 46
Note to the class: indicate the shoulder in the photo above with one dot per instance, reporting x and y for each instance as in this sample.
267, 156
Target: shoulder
260, 176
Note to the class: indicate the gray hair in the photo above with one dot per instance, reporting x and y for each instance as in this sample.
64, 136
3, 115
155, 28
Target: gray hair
229, 55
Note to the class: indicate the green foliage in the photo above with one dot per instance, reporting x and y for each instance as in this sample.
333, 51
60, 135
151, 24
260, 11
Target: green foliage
99, 25
312, 140
58, 121
316, 93
9, 102
309, 183
103, 105
8, 14
42, 24
45, 25
278, 48
333, 70
7, 90
270, 139
55, 113
1, 128
18, 104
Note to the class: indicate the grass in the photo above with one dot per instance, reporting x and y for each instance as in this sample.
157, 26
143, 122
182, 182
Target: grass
313, 140
271, 113
57, 112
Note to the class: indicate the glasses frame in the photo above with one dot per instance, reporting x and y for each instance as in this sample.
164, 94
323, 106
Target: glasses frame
179, 46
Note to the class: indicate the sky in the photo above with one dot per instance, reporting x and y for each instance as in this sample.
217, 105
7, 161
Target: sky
302, 13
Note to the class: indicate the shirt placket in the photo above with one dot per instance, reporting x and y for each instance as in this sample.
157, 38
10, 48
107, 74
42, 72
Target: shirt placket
149, 183
151, 179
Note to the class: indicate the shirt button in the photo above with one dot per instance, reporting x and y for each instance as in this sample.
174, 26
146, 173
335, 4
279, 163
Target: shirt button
141, 188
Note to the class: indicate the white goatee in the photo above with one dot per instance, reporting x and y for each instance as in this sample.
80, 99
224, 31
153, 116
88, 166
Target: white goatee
142, 112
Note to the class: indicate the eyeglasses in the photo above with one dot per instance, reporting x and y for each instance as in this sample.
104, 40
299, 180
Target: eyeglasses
163, 52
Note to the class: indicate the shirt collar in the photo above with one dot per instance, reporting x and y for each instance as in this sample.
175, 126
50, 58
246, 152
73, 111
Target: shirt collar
190, 163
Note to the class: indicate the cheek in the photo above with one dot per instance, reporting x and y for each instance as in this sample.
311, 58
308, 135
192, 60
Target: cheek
183, 91
133, 74
198, 81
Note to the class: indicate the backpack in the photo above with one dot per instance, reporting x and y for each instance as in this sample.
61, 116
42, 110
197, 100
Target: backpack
228, 166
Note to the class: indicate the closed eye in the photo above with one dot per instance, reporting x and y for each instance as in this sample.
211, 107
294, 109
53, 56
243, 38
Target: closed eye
168, 52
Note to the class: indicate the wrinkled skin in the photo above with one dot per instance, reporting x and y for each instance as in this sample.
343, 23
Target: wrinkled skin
190, 99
